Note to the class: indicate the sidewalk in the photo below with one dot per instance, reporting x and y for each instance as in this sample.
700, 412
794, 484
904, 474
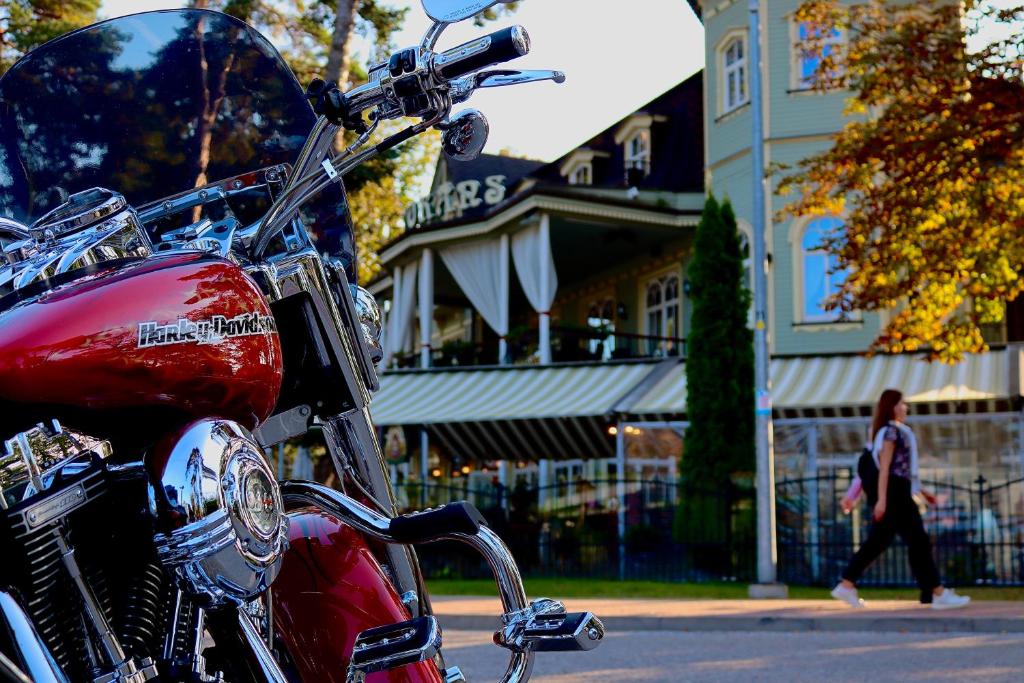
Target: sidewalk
478, 613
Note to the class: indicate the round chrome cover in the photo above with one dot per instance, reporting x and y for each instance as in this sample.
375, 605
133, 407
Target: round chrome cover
82, 210
91, 227
221, 525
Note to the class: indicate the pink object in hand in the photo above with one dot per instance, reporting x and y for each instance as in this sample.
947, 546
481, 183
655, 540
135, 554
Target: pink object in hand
852, 495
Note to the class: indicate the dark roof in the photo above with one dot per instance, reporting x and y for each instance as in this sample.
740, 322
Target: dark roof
677, 145
511, 169
677, 162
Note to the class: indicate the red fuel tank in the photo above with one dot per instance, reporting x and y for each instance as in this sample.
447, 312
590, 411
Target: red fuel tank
188, 332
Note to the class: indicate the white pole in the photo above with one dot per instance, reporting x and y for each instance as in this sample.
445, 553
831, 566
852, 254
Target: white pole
767, 559
503, 275
426, 291
544, 323
505, 468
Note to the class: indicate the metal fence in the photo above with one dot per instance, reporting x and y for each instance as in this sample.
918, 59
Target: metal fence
668, 533
977, 533
573, 529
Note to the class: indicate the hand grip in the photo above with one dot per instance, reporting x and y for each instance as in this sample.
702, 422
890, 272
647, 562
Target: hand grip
496, 48
431, 525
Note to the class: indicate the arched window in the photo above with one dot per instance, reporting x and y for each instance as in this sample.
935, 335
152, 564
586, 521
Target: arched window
804, 64
663, 307
582, 175
734, 74
821, 274
638, 152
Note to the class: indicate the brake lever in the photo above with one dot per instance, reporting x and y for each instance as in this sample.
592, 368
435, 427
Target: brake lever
463, 88
501, 78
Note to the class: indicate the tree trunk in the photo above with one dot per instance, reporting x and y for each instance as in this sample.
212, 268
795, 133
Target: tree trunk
338, 62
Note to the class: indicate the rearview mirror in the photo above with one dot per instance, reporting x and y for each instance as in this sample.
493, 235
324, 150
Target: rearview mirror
451, 11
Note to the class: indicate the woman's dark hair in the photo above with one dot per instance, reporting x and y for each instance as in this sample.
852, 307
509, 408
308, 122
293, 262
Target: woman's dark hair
885, 411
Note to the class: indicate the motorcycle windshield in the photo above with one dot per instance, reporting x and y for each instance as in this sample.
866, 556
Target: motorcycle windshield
150, 105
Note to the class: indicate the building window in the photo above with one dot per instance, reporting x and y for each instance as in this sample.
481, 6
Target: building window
663, 307
734, 74
601, 320
583, 175
806, 65
821, 274
638, 152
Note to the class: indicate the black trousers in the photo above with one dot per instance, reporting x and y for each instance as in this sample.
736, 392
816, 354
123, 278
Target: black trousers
901, 517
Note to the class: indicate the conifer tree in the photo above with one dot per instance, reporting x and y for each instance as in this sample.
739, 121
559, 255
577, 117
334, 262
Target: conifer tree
26, 24
719, 443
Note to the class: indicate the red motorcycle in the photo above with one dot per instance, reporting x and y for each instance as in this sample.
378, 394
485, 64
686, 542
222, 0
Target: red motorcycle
177, 296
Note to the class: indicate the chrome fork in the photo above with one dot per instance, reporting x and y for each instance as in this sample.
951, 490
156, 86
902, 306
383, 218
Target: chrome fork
352, 443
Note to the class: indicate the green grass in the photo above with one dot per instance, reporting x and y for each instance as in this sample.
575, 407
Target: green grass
600, 588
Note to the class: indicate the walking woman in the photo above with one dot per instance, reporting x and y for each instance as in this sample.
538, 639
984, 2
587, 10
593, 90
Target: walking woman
894, 450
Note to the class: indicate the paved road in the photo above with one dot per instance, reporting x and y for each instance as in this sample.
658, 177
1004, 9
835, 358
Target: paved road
815, 657
897, 616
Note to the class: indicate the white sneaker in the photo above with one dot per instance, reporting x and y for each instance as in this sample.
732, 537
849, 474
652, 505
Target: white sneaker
949, 600
847, 595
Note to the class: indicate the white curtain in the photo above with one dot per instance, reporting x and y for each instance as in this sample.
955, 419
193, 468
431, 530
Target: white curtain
535, 264
481, 269
402, 310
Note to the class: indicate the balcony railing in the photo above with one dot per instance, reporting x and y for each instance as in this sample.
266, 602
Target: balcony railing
568, 345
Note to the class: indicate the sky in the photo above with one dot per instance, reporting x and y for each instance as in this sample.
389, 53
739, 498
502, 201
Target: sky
615, 60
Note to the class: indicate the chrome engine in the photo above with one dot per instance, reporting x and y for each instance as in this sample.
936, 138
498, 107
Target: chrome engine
109, 569
97, 597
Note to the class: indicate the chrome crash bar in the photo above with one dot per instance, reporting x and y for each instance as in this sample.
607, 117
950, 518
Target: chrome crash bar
527, 627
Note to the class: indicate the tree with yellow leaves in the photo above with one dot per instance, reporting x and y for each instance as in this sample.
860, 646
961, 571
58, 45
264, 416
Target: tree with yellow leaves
928, 172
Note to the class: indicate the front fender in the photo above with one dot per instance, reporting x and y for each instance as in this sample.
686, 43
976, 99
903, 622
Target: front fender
330, 589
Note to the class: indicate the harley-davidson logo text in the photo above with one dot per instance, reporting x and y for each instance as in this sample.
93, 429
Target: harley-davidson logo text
211, 331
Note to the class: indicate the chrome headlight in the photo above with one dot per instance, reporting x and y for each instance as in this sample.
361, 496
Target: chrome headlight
221, 525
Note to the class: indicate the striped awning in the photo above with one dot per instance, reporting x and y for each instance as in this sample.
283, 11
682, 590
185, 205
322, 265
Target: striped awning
532, 412
516, 413
858, 381
666, 397
513, 393
838, 382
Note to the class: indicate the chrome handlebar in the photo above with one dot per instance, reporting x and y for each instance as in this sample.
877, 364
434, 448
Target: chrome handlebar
366, 97
412, 84
396, 89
